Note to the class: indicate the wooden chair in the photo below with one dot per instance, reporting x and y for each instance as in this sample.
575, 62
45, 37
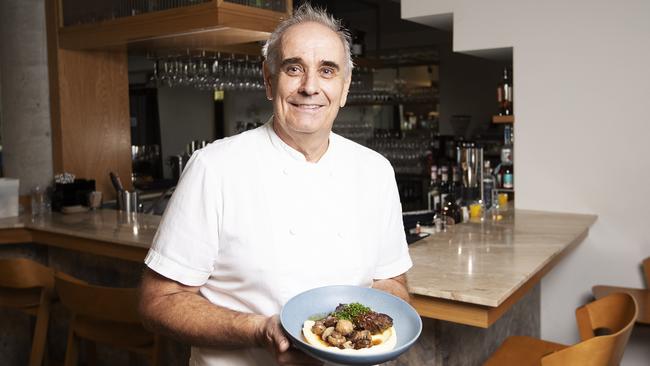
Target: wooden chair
642, 296
612, 316
104, 315
28, 286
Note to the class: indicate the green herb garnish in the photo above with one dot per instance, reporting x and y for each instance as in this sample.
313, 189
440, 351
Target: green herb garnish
351, 311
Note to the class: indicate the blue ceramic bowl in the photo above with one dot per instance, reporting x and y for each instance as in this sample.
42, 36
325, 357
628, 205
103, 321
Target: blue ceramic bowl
323, 300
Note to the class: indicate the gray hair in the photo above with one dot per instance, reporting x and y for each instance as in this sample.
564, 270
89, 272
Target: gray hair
306, 13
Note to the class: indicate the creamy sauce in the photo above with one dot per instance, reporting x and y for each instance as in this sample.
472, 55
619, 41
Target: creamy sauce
382, 342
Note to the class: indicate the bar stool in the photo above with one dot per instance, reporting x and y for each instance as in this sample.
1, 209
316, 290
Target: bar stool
642, 296
605, 326
28, 286
104, 315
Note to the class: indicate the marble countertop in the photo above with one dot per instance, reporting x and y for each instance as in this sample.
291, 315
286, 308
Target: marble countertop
480, 263
485, 262
107, 225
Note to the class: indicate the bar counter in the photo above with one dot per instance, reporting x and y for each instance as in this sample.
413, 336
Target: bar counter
476, 271
469, 274
474, 285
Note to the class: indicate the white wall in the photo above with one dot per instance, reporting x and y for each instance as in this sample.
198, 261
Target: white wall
582, 90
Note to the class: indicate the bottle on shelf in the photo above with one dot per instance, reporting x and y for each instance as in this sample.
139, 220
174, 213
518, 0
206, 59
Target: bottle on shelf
433, 196
489, 184
508, 136
505, 170
444, 183
504, 94
358, 44
508, 177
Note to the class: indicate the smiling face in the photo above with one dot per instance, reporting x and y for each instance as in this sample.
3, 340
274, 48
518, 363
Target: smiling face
311, 82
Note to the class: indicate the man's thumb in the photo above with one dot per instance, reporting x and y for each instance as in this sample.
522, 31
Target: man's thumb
281, 341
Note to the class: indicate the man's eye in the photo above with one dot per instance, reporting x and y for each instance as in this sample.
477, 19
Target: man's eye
328, 71
293, 70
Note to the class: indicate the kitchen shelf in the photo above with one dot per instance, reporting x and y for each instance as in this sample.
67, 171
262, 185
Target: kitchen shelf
209, 25
503, 119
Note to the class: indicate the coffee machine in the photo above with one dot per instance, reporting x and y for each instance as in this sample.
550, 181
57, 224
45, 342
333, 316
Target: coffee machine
470, 165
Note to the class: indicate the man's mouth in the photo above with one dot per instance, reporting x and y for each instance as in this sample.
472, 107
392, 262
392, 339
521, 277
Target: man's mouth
306, 106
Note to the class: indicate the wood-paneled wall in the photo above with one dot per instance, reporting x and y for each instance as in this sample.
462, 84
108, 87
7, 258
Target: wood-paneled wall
89, 98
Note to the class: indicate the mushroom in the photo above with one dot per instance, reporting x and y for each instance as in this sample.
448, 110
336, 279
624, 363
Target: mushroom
344, 327
326, 333
318, 328
336, 339
361, 339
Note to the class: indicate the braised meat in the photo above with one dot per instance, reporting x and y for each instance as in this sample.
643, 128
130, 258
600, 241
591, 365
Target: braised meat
330, 321
374, 322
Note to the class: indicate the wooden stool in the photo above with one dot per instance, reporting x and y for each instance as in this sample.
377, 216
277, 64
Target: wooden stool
613, 315
104, 315
642, 296
28, 286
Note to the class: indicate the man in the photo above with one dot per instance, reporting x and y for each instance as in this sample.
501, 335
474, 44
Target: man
262, 216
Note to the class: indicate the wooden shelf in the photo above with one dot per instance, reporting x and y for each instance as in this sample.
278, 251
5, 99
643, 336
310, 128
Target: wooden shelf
503, 119
208, 26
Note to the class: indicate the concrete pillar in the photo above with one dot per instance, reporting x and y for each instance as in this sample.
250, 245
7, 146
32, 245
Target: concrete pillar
25, 112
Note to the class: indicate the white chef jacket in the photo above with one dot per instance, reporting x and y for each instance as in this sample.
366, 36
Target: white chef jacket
253, 223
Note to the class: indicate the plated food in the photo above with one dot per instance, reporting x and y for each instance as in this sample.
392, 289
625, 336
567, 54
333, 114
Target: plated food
351, 328
406, 328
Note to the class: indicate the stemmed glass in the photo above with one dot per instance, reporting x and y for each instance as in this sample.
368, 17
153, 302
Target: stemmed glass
209, 72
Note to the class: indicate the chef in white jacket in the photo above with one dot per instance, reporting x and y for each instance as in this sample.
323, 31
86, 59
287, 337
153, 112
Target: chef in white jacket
262, 216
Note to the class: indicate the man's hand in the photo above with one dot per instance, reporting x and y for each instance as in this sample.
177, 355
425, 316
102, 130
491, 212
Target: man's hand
272, 337
396, 286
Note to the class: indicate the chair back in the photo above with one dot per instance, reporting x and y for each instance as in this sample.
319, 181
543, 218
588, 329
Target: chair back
612, 315
98, 302
23, 273
646, 272
27, 285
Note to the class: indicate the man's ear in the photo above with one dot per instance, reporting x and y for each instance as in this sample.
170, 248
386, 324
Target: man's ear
267, 80
346, 90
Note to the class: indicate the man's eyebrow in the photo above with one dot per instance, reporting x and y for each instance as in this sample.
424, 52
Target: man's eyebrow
331, 64
298, 60
291, 60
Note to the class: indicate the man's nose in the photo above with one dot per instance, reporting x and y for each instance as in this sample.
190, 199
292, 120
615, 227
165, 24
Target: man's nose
310, 83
